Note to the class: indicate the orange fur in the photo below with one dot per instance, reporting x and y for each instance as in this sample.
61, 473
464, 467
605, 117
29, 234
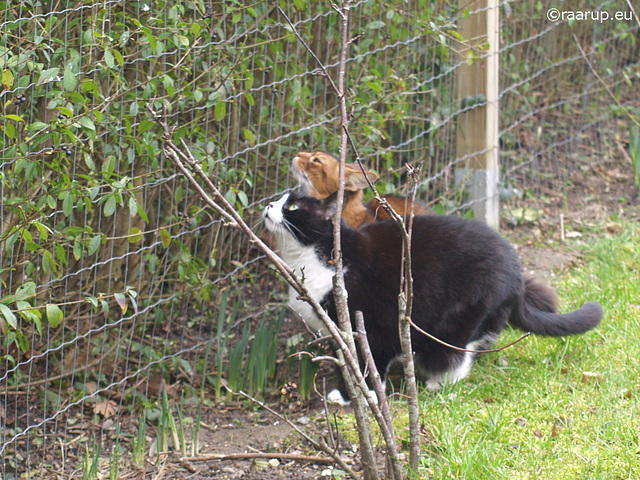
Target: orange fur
318, 172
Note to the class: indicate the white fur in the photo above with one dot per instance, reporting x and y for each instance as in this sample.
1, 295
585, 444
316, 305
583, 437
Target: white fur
336, 398
317, 277
461, 370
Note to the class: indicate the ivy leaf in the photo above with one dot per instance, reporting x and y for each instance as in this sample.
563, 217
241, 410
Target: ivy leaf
54, 314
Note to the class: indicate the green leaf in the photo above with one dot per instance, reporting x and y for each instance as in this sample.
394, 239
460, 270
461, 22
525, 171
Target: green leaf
93, 193
145, 125
93, 301
48, 75
8, 316
87, 123
133, 206
135, 235
35, 126
376, 25
77, 249
65, 111
244, 200
69, 80
42, 229
105, 306
7, 79
108, 59
14, 117
251, 139
143, 214
94, 244
109, 206
122, 301
165, 236
231, 197
67, 205
119, 57
88, 160
10, 131
54, 314
220, 111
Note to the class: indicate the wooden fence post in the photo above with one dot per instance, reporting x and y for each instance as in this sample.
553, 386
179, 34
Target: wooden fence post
477, 84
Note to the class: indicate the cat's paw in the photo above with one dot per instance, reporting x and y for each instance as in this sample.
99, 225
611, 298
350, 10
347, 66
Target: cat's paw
336, 398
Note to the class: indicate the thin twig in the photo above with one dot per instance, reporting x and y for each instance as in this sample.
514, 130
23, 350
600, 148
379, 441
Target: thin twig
460, 349
334, 441
325, 73
633, 10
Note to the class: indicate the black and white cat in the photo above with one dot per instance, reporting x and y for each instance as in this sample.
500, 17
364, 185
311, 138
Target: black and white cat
467, 285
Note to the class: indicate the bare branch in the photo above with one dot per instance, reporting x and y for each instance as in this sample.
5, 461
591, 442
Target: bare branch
325, 73
460, 349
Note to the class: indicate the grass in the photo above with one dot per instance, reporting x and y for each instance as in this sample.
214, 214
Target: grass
531, 412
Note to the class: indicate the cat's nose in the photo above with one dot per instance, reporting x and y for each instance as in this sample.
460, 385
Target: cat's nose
267, 209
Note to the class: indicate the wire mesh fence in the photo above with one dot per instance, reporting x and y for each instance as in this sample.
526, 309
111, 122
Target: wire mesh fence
117, 280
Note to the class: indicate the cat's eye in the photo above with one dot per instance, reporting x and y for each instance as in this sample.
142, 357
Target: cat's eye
292, 208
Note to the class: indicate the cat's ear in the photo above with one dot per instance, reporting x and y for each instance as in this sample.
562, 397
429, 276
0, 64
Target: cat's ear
329, 206
354, 178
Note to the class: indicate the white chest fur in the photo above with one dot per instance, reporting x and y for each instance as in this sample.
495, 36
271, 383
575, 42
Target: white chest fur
317, 278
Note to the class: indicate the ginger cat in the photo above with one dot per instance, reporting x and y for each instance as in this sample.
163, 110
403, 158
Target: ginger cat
318, 173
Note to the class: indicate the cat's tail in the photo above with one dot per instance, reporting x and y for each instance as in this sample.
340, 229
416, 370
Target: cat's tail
536, 313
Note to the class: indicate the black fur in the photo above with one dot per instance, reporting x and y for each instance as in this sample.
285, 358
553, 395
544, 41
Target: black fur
467, 284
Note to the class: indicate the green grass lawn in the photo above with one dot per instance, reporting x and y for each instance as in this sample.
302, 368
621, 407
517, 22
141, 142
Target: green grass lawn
530, 411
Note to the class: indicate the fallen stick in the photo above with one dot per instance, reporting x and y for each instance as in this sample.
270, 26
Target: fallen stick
247, 456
